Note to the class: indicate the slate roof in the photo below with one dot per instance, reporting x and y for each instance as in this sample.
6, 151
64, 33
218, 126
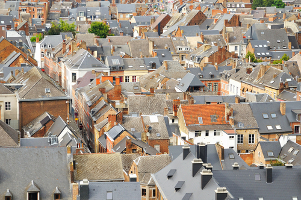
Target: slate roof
290, 153
48, 169
158, 125
35, 125
4, 89
213, 99
127, 161
242, 183
147, 105
277, 38
126, 8
115, 131
9, 137
270, 146
220, 23
243, 117
259, 109
148, 165
228, 162
189, 80
139, 47
51, 41
120, 190
98, 167
287, 96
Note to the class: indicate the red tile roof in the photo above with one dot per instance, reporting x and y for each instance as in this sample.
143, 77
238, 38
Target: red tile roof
191, 114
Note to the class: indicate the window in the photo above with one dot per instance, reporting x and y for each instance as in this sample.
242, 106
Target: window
157, 147
278, 127
182, 57
133, 78
154, 192
297, 129
33, 196
210, 86
143, 192
198, 133
57, 196
251, 139
290, 149
215, 87
273, 115
73, 77
216, 133
270, 127
7, 106
296, 152
265, 116
127, 79
270, 154
3, 28
240, 138
109, 195
236, 48
134, 150
231, 137
7, 121
207, 132
81, 14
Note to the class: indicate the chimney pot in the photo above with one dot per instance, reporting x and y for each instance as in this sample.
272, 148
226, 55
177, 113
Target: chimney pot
288, 166
261, 166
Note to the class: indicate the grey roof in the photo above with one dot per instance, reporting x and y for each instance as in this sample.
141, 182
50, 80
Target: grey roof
259, 109
209, 72
228, 162
8, 20
48, 169
292, 109
213, 99
190, 184
220, 23
242, 183
39, 122
287, 96
277, 38
51, 41
115, 131
270, 146
290, 153
191, 31
150, 60
126, 8
189, 80
9, 137
163, 54
243, 117
57, 127
120, 190
103, 141
36, 142
121, 146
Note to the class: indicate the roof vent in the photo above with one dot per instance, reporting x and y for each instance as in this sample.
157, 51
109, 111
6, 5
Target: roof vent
179, 185
171, 173
235, 166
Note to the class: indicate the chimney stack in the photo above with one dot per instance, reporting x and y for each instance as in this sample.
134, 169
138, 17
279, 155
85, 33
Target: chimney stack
203, 152
196, 166
269, 169
221, 193
152, 90
235, 166
202, 36
206, 176
84, 190
175, 105
208, 166
282, 108
261, 166
165, 64
186, 151
288, 166
133, 178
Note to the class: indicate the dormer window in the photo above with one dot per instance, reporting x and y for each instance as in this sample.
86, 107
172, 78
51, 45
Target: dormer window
57, 194
33, 192
8, 195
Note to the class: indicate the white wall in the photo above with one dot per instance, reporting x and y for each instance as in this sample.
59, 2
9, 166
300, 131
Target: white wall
12, 114
37, 54
234, 85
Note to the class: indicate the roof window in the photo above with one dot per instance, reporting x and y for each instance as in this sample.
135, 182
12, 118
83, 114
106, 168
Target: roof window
278, 127
171, 173
265, 116
273, 115
270, 127
257, 177
291, 149
296, 152
200, 120
270, 154
179, 185
231, 156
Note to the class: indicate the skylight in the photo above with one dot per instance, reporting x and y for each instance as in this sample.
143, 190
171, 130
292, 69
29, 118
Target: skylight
265, 116
273, 115
296, 152
257, 177
200, 120
291, 149
278, 127
231, 156
270, 154
269, 127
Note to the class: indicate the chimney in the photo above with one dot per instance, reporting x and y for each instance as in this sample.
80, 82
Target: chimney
196, 166
293, 53
215, 20
261, 166
37, 38
84, 190
112, 120
298, 15
16, 72
165, 64
102, 90
152, 90
208, 166
227, 37
166, 111
248, 26
133, 178
68, 149
64, 46
284, 15
221, 193
262, 71
235, 166
186, 151
206, 176
288, 166
237, 99
216, 67
282, 108
249, 70
202, 36
261, 21
175, 105
269, 169
203, 152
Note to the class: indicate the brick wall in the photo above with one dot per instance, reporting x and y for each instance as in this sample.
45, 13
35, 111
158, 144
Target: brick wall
29, 110
198, 19
162, 142
233, 22
74, 191
248, 158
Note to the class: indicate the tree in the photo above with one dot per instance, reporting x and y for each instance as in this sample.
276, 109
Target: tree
252, 57
257, 3
62, 26
34, 38
268, 3
100, 29
285, 57
278, 4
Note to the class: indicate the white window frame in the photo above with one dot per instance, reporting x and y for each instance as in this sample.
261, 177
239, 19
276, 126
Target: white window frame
7, 105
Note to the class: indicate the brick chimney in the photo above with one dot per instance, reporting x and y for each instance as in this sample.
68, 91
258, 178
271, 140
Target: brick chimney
186, 151
175, 106
16, 72
284, 15
165, 64
249, 70
262, 71
282, 108
152, 90
261, 21
112, 120
202, 36
216, 67
37, 39
102, 90
64, 46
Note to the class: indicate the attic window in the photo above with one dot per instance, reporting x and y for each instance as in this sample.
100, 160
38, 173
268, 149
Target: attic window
255, 46
291, 160
240, 125
278, 41
257, 177
231, 156
291, 149
262, 33
265, 45
278, 127
200, 120
213, 118
270, 154
269, 127
47, 90
260, 45
130, 66
273, 115
296, 152
265, 116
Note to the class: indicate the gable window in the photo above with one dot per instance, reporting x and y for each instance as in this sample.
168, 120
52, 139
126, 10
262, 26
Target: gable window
143, 192
251, 138
127, 79
198, 133
7, 106
270, 154
216, 133
207, 132
240, 138
109, 195
81, 14
33, 196
154, 192
73, 77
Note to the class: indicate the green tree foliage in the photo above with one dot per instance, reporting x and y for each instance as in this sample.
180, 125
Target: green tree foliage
276, 163
252, 57
285, 57
278, 4
33, 39
100, 29
62, 26
267, 3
